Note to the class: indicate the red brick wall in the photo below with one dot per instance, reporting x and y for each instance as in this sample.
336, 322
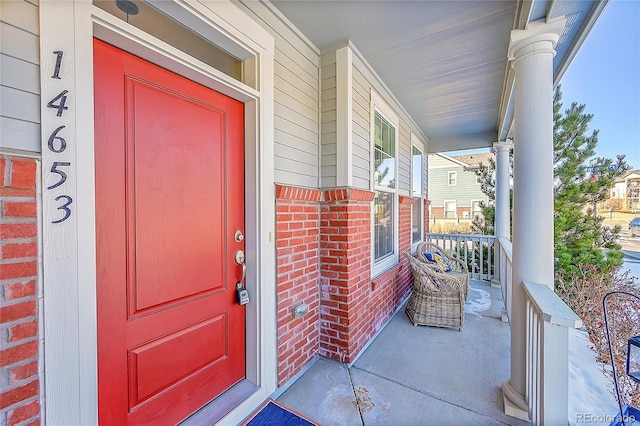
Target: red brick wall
379, 297
427, 203
460, 211
354, 307
438, 212
19, 380
298, 274
326, 237
345, 255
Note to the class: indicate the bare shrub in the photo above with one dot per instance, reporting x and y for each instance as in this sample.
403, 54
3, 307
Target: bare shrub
614, 204
584, 292
435, 227
449, 227
464, 228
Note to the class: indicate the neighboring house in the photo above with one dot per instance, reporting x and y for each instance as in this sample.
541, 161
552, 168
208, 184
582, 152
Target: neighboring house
453, 187
157, 161
626, 191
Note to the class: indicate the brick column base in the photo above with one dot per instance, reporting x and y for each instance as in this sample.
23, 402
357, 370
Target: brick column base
19, 378
325, 236
345, 255
298, 274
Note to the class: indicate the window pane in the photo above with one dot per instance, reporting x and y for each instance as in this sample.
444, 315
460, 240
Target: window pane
452, 178
476, 210
385, 137
385, 161
416, 220
391, 148
450, 209
378, 132
385, 172
383, 225
416, 170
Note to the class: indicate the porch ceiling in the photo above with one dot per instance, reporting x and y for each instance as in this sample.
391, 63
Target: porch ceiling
445, 61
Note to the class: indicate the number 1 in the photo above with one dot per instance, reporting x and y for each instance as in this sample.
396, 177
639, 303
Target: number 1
56, 72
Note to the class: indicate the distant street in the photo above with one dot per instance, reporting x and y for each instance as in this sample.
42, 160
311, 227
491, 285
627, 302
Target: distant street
631, 248
630, 245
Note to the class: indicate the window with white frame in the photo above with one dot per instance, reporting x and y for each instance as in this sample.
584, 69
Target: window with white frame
476, 208
450, 209
416, 192
385, 203
452, 178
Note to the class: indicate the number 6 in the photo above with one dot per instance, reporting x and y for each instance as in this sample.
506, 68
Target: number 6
52, 139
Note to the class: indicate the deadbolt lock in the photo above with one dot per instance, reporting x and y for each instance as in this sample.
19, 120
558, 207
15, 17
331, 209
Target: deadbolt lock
239, 256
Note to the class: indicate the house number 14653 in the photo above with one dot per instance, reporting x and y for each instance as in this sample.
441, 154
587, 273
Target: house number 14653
57, 144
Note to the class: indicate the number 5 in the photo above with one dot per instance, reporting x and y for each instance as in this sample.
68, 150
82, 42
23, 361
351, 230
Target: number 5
63, 175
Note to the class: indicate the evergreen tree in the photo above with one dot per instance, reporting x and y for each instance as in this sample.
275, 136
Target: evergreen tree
580, 181
485, 174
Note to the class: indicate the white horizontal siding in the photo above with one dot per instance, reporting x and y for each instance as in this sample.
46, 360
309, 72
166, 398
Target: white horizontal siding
363, 82
296, 142
404, 159
19, 134
19, 76
19, 44
296, 173
297, 103
20, 14
19, 104
286, 81
298, 111
436, 161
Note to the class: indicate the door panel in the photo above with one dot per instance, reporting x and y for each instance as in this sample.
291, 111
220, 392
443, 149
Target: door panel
169, 159
150, 369
170, 155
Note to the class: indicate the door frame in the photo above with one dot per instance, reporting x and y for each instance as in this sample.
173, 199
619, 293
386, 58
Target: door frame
69, 248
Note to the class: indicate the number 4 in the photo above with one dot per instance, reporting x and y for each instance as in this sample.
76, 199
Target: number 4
61, 105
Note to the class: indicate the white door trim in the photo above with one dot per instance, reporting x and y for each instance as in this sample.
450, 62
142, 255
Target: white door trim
69, 251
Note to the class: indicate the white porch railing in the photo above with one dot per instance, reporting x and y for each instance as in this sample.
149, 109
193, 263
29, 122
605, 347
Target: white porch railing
548, 320
547, 354
476, 250
503, 273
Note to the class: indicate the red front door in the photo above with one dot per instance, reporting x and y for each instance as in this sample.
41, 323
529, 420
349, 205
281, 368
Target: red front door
169, 157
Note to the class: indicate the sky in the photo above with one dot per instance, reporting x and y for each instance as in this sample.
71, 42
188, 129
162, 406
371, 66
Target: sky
605, 76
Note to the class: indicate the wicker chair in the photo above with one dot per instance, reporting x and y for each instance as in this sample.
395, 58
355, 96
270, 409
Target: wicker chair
439, 303
458, 268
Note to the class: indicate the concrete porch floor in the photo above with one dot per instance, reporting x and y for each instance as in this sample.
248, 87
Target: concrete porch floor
416, 375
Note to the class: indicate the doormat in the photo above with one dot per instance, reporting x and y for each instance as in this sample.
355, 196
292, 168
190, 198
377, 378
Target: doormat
272, 413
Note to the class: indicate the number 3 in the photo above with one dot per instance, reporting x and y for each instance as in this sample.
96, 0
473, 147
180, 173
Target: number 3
65, 207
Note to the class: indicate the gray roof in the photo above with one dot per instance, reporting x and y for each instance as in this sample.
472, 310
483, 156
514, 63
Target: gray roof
473, 160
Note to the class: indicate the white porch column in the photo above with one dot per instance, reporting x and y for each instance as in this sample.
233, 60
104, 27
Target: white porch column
502, 218
502, 225
532, 52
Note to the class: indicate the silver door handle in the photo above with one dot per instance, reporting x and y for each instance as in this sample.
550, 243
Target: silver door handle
240, 260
